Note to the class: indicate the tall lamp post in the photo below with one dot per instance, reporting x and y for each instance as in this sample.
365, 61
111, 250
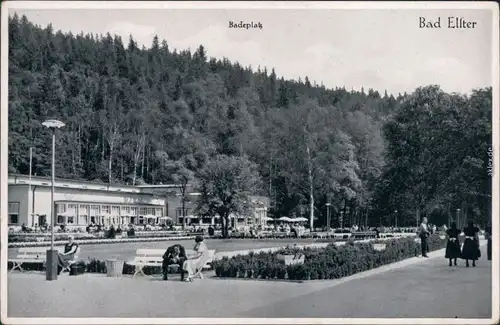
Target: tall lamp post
396, 217
52, 254
458, 219
328, 217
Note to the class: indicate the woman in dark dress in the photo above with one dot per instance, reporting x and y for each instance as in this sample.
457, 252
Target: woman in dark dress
453, 245
68, 256
471, 251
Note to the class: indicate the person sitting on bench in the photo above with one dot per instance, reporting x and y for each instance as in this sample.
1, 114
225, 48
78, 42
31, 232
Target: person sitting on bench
175, 255
69, 254
195, 263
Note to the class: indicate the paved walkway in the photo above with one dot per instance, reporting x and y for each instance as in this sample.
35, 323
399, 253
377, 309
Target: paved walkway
413, 288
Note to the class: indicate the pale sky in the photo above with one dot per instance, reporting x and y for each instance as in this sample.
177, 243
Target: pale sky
379, 49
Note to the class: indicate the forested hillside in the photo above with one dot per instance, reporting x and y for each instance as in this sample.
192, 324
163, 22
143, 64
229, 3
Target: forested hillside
132, 113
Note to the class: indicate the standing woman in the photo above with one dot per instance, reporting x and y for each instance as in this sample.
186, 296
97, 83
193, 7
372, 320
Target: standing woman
471, 250
453, 245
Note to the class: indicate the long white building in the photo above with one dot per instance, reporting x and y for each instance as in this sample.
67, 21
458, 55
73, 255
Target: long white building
79, 203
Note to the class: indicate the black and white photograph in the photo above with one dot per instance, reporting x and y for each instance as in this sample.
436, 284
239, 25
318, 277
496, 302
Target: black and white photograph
249, 162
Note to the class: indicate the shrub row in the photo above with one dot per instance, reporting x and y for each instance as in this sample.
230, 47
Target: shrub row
321, 263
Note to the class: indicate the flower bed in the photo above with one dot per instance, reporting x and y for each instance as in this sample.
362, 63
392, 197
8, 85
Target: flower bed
33, 237
103, 241
330, 262
321, 263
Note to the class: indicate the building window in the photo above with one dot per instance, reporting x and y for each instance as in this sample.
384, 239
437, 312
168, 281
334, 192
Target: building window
105, 209
125, 211
141, 220
61, 208
143, 211
83, 220
42, 220
71, 219
178, 212
133, 211
73, 207
115, 210
94, 210
158, 212
13, 213
84, 209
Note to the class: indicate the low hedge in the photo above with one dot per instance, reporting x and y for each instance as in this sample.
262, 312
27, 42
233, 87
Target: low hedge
322, 263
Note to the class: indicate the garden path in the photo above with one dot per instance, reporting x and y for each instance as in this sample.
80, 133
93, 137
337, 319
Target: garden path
415, 287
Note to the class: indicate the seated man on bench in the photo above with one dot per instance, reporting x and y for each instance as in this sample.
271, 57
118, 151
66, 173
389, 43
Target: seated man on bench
175, 255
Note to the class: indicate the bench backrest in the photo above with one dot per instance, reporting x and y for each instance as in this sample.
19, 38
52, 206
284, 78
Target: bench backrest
146, 252
34, 249
39, 252
155, 256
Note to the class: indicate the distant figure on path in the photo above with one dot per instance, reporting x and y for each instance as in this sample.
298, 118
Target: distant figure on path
424, 234
175, 254
471, 249
453, 246
194, 263
69, 254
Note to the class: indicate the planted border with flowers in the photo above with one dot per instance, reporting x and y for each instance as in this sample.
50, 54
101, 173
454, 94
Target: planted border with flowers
331, 262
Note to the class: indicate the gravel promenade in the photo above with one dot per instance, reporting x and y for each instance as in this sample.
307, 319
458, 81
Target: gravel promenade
413, 288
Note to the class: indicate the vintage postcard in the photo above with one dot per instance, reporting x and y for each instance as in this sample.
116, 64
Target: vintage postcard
249, 162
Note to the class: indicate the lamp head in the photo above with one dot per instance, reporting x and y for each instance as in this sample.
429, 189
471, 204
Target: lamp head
53, 124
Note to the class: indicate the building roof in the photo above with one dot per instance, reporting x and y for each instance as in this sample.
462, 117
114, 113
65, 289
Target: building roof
18, 179
147, 189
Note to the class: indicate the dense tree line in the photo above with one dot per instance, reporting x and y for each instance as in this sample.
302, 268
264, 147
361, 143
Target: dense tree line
156, 115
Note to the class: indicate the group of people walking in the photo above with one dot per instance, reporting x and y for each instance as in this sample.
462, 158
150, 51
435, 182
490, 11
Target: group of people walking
470, 251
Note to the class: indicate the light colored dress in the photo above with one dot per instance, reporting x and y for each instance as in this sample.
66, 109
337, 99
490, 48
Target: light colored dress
191, 265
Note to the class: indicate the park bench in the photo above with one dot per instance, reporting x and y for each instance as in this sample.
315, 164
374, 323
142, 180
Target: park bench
154, 257
37, 255
344, 235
